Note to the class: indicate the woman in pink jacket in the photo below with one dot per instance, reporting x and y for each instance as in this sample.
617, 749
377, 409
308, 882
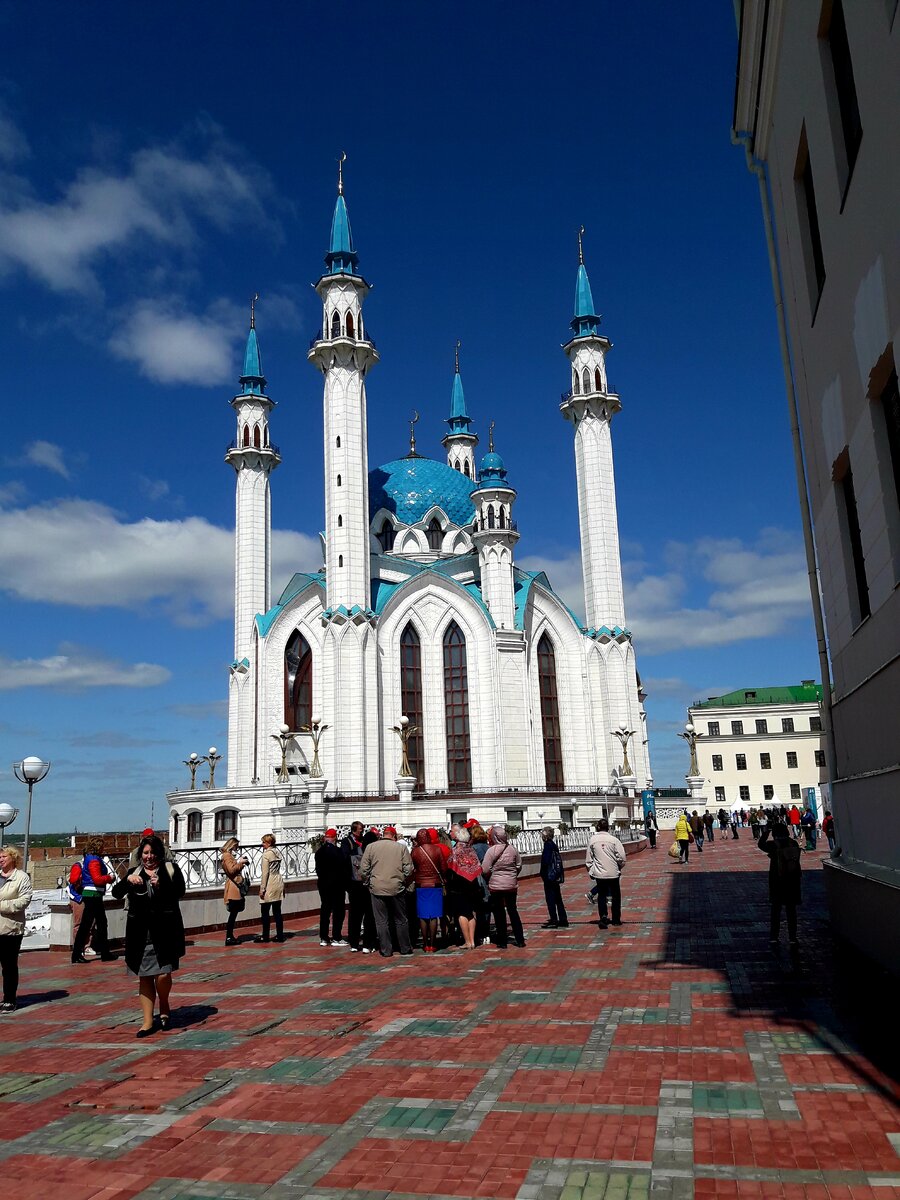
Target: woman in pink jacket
501, 868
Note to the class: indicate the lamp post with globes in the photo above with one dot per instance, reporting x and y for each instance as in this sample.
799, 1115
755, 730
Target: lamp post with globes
211, 759
7, 815
29, 771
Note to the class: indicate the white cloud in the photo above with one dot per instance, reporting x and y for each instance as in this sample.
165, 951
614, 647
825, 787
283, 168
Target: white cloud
77, 669
11, 493
158, 200
170, 345
80, 553
48, 455
753, 590
13, 144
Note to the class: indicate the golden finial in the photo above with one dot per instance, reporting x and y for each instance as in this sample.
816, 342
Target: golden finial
412, 435
253, 300
458, 344
491, 438
341, 161
580, 248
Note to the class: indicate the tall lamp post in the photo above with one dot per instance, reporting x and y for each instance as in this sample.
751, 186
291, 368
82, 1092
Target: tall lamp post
283, 737
316, 728
211, 759
7, 815
192, 762
29, 771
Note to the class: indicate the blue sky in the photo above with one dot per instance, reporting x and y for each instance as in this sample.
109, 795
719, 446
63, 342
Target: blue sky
159, 164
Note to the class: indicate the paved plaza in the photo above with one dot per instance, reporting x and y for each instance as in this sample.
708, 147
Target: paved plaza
676, 1055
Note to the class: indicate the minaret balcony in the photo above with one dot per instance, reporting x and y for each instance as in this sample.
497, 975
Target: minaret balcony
566, 396
575, 406
341, 339
234, 450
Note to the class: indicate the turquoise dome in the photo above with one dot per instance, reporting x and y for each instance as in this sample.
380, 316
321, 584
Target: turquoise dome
492, 464
409, 487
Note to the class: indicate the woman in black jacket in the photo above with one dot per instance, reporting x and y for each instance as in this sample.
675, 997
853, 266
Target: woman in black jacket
154, 932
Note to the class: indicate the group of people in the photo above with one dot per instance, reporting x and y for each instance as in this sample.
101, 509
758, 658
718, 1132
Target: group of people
693, 829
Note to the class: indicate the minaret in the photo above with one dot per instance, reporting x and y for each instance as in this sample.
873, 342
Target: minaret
344, 354
253, 459
590, 406
495, 537
459, 442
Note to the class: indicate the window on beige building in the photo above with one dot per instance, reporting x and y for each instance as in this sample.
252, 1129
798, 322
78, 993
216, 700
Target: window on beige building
737, 727
765, 762
713, 728
792, 760
808, 219
762, 726
717, 762
740, 761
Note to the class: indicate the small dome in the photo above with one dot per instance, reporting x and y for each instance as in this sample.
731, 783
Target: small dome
492, 464
409, 487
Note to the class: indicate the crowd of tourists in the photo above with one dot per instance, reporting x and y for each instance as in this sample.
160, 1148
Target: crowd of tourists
694, 829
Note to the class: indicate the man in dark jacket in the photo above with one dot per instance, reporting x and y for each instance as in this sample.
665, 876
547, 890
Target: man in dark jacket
784, 879
698, 829
553, 874
360, 920
332, 871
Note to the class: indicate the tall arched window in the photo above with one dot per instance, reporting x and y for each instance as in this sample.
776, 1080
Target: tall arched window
456, 709
335, 325
338, 443
257, 441
339, 481
246, 435
491, 517
386, 536
411, 698
502, 517
350, 324
576, 386
340, 520
466, 469
598, 380
586, 380
550, 728
297, 682
435, 534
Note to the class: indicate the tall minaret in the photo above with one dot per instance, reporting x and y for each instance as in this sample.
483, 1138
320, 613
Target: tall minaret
459, 442
344, 354
253, 459
590, 407
495, 537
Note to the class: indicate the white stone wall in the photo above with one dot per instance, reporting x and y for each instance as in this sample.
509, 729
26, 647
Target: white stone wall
598, 520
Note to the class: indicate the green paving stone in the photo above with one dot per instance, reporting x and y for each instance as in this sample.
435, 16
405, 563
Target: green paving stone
555, 1056
334, 1006
722, 1098
425, 1028
795, 1041
19, 1086
201, 1038
402, 1117
297, 1068
570, 1193
655, 1016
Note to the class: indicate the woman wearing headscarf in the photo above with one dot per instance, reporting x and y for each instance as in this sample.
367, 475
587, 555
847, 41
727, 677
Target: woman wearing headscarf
154, 932
464, 884
501, 866
234, 894
271, 890
479, 843
428, 862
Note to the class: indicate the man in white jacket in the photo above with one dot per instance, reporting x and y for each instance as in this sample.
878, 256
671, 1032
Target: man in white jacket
604, 862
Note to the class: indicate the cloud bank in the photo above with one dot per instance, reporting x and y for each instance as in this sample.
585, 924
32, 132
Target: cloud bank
75, 669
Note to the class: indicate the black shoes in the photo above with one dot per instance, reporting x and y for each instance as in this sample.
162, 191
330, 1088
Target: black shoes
107, 958
78, 958
145, 1033
262, 939
550, 925
231, 941
165, 1022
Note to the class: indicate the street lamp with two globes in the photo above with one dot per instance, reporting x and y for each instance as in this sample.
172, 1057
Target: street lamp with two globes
29, 771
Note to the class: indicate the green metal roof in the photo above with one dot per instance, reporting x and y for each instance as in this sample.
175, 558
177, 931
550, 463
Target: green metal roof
804, 693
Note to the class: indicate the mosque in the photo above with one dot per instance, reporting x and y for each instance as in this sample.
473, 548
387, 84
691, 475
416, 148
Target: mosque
420, 674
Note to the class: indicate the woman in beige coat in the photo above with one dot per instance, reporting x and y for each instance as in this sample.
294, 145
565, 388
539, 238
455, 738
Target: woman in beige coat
15, 894
271, 890
233, 897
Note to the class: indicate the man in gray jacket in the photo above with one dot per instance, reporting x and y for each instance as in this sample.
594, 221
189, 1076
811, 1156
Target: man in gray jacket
384, 869
604, 862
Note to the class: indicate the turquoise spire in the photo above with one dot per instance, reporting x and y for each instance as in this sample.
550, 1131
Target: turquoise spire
586, 319
252, 378
341, 258
459, 419
493, 469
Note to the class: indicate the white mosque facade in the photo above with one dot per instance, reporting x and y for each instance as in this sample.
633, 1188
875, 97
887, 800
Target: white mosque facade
420, 620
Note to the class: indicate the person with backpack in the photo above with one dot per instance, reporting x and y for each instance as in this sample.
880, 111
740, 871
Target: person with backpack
784, 879
91, 878
553, 875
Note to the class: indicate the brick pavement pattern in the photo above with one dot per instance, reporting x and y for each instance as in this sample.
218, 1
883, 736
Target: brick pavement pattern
677, 1055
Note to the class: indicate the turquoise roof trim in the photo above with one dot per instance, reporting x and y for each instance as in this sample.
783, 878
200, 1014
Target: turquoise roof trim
523, 582
459, 419
252, 378
409, 487
586, 319
298, 583
341, 257
383, 590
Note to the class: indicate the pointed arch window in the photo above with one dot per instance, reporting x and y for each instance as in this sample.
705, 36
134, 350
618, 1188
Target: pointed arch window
586, 380
466, 470
411, 698
257, 440
491, 517
340, 520
386, 536
339, 481
550, 727
435, 534
598, 380
335, 325
338, 442
456, 709
502, 517
350, 332
246, 438
576, 386
297, 682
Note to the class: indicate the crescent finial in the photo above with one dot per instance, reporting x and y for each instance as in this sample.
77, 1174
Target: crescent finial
580, 247
253, 300
458, 344
341, 160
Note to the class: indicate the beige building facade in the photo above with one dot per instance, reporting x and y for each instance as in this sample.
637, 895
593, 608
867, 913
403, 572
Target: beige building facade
817, 109
761, 746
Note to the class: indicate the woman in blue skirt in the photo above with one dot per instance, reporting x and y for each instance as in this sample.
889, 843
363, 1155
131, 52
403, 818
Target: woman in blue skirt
429, 876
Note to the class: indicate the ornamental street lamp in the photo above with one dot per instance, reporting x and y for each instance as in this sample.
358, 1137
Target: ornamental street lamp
284, 737
404, 732
211, 759
192, 762
7, 815
316, 728
690, 735
623, 736
29, 771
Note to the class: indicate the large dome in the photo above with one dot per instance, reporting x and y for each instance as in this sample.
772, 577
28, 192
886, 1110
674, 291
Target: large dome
409, 487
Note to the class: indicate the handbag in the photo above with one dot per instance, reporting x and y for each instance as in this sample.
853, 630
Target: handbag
674, 850
690, 838
243, 886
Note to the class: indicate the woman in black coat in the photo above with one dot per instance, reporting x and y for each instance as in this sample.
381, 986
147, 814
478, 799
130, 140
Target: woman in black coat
154, 932
784, 878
